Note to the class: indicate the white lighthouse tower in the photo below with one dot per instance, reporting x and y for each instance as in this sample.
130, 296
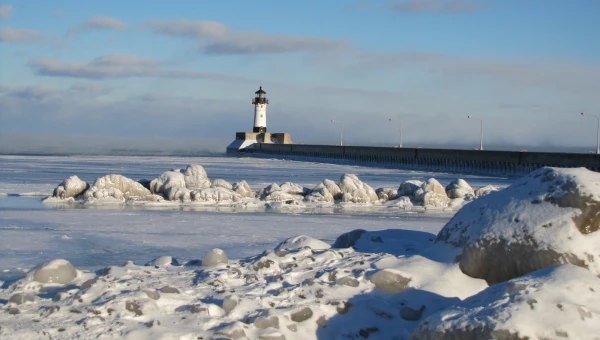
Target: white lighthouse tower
260, 111
249, 142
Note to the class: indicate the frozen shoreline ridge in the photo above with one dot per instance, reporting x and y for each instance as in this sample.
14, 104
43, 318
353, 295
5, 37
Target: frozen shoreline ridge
388, 284
192, 186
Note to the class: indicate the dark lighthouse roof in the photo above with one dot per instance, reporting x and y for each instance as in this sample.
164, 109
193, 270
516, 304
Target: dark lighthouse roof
260, 91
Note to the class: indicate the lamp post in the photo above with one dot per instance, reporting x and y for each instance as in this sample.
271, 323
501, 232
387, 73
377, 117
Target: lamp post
341, 131
597, 131
480, 131
400, 129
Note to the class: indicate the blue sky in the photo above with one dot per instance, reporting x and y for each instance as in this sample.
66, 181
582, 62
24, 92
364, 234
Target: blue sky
166, 74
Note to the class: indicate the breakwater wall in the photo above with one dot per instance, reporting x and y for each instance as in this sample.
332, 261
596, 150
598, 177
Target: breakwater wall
464, 161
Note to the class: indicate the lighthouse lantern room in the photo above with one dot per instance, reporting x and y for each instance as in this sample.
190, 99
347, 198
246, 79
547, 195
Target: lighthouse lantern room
260, 103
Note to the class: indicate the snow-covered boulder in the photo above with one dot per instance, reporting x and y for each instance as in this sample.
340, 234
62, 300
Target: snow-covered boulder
243, 189
167, 180
432, 194
269, 189
403, 202
299, 242
217, 194
459, 188
553, 303
387, 194
287, 191
70, 187
408, 188
319, 194
548, 217
214, 257
333, 188
355, 191
486, 190
56, 271
195, 177
116, 186
221, 183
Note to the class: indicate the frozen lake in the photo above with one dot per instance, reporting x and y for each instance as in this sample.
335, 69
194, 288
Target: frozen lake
32, 232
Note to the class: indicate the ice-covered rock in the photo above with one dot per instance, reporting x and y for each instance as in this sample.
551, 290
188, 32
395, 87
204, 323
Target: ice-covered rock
553, 303
167, 180
243, 189
195, 177
486, 190
21, 298
387, 194
214, 257
269, 189
221, 183
347, 240
70, 187
116, 186
548, 217
293, 188
319, 193
178, 194
217, 194
389, 282
432, 194
333, 188
299, 242
56, 271
401, 202
408, 188
355, 191
459, 188
282, 196
230, 302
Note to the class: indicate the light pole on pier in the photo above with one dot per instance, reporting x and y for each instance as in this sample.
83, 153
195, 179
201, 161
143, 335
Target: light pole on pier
597, 131
400, 129
341, 131
480, 131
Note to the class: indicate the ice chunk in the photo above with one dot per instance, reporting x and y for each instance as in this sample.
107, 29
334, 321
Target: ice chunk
167, 180
55, 271
266, 322
217, 194
151, 293
293, 188
387, 194
356, 191
178, 194
116, 186
214, 257
347, 281
70, 187
319, 194
169, 290
389, 281
410, 314
299, 242
486, 190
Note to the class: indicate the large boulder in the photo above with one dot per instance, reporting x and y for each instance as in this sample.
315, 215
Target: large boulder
355, 191
53, 272
319, 194
459, 188
70, 187
117, 186
333, 188
387, 194
553, 303
548, 217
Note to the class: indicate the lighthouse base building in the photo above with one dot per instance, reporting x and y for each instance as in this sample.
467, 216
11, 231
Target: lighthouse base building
246, 141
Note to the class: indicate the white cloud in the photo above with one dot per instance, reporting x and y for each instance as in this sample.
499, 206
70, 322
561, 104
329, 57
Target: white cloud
16, 35
217, 38
98, 23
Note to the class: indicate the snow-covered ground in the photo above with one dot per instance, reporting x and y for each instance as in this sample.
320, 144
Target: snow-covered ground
141, 272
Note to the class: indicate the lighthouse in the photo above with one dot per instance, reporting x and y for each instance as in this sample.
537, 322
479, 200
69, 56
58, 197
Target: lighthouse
260, 103
259, 138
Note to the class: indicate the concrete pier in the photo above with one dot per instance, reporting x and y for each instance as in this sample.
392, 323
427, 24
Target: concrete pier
463, 161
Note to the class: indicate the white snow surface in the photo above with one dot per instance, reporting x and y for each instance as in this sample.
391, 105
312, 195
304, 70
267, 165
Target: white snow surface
552, 303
